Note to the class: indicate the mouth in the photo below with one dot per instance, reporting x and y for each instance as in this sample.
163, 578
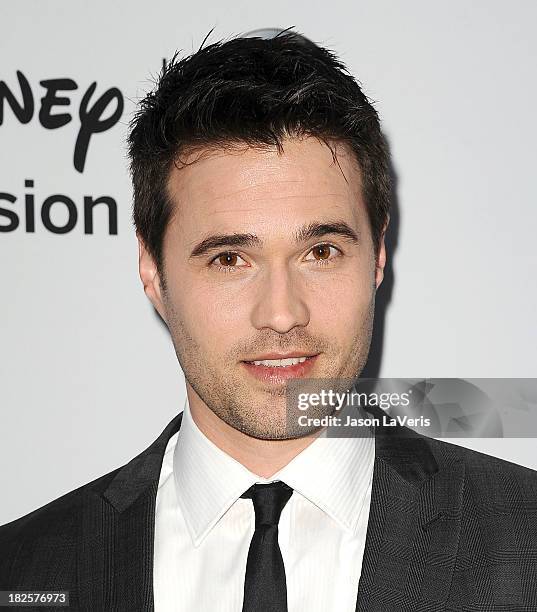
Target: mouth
276, 371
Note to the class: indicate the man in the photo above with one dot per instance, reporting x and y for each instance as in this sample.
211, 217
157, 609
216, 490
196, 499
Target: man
261, 202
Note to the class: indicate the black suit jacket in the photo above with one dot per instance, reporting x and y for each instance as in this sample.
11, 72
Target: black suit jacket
449, 529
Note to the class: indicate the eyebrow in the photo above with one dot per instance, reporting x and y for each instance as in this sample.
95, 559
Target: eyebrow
304, 234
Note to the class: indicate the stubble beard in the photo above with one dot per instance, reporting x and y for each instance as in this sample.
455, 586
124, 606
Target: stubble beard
259, 413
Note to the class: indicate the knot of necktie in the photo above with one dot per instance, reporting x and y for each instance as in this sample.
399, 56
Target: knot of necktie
269, 500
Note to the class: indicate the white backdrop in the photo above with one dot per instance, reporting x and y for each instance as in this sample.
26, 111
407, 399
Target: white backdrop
88, 375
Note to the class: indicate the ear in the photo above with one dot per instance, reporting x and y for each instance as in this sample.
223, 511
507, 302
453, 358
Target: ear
381, 258
150, 278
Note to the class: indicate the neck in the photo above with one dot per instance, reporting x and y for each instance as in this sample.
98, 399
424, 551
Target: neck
262, 457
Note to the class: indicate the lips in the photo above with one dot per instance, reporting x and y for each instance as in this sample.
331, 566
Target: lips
277, 374
289, 355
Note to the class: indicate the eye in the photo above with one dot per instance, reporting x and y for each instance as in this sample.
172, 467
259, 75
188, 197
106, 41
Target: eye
321, 254
226, 262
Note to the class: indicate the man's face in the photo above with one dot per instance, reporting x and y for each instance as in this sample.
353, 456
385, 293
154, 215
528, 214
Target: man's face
284, 291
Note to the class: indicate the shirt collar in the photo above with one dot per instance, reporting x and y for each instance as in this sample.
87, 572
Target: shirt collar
332, 473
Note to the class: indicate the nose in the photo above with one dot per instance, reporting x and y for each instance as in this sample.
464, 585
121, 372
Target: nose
280, 303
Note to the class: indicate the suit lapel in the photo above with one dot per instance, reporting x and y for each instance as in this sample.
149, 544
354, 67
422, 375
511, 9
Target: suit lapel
413, 526
115, 564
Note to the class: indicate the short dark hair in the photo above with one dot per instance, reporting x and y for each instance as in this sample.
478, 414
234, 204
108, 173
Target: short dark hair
254, 91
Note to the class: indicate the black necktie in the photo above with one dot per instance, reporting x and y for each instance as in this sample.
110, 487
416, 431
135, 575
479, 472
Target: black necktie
265, 589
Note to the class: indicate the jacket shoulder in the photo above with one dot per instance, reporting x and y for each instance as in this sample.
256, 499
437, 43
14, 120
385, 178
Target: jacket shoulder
48, 514
492, 479
46, 539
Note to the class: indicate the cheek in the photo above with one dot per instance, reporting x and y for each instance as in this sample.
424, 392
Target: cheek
343, 299
212, 315
344, 318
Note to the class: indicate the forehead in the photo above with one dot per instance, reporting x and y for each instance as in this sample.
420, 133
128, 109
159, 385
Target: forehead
225, 186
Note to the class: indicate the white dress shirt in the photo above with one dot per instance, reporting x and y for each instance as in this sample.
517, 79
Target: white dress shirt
203, 527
